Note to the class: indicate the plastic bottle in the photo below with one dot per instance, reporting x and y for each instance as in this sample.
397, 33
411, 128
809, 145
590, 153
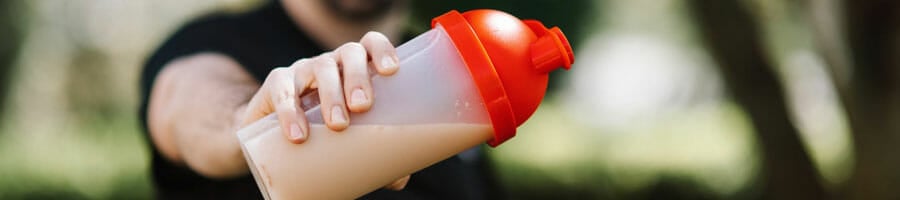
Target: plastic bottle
473, 78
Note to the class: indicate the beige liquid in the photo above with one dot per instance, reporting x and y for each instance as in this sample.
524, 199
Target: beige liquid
353, 162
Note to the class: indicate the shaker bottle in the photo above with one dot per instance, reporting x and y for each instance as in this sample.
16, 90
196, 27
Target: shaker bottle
473, 78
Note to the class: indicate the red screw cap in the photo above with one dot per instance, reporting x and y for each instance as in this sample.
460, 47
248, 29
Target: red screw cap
509, 60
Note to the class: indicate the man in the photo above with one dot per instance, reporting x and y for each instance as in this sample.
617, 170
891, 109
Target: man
218, 74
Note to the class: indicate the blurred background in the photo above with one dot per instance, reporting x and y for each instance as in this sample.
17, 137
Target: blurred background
668, 99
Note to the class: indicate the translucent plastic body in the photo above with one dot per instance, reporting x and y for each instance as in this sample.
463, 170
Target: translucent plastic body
426, 112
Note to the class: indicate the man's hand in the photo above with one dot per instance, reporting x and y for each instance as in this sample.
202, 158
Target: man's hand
198, 102
281, 90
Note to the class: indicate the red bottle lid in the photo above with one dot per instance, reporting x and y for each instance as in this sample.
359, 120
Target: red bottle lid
509, 60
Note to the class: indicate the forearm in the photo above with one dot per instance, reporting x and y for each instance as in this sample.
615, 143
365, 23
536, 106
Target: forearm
195, 108
204, 130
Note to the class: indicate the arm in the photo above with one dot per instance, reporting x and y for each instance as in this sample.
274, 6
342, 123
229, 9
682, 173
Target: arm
198, 102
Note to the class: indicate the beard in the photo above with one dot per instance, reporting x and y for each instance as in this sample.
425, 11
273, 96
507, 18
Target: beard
360, 10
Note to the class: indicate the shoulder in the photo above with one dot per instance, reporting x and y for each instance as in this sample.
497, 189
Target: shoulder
206, 65
207, 28
246, 37
211, 33
202, 34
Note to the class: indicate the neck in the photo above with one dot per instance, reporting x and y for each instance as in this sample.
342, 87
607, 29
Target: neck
331, 31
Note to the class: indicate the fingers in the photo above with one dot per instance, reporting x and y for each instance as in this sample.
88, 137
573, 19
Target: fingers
283, 98
331, 94
280, 91
357, 85
382, 52
399, 184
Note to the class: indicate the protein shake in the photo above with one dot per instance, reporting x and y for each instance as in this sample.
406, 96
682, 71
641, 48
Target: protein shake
365, 156
473, 78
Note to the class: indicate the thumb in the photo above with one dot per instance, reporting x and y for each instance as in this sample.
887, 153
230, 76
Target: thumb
399, 184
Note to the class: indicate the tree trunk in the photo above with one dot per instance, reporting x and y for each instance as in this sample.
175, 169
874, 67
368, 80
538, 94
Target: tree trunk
873, 102
10, 40
732, 36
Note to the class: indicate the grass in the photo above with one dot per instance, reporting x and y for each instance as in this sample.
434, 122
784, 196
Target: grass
709, 148
100, 160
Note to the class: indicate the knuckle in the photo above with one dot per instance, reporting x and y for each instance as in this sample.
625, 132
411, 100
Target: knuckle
299, 63
285, 97
276, 73
352, 47
300, 67
390, 51
331, 96
324, 63
373, 35
338, 100
356, 73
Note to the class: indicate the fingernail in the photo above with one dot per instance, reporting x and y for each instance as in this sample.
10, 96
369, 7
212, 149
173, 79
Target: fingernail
358, 97
296, 132
388, 62
337, 115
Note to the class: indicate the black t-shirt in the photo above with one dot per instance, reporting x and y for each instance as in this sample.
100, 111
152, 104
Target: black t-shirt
261, 40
